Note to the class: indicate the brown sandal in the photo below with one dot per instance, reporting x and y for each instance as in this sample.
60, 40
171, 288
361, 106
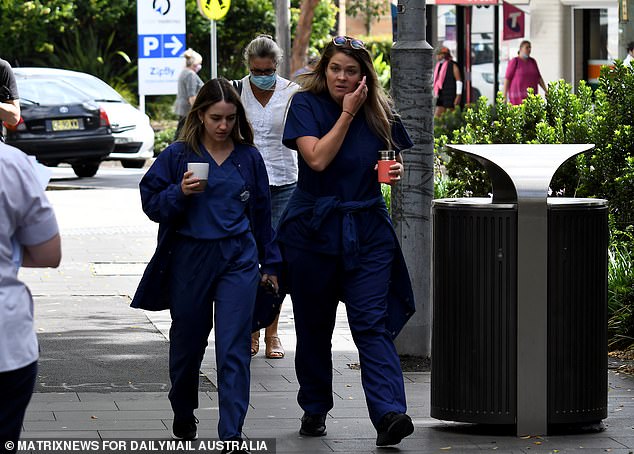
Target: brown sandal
255, 345
274, 349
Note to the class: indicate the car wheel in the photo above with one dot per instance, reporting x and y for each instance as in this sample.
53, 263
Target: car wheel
133, 163
86, 169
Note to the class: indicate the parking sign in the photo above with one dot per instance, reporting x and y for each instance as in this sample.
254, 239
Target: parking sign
161, 42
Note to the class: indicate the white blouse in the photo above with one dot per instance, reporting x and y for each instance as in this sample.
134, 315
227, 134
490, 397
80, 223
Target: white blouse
268, 126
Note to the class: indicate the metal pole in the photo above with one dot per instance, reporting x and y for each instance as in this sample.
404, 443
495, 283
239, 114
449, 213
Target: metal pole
283, 35
213, 49
496, 51
411, 199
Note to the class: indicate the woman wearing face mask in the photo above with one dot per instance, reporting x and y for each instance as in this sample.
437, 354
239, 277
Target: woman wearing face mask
265, 96
522, 73
188, 85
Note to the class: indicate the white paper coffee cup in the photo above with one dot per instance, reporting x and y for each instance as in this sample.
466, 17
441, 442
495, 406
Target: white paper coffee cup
201, 171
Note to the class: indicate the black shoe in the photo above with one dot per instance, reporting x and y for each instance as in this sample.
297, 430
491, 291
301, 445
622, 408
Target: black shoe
393, 428
185, 429
228, 449
313, 425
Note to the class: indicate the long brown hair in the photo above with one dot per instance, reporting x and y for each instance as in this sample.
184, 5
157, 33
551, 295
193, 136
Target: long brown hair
377, 108
215, 90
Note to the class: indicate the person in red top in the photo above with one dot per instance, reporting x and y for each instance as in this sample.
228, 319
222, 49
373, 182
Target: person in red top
522, 73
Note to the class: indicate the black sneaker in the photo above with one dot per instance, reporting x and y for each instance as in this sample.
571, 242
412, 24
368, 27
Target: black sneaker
393, 428
185, 429
313, 425
228, 449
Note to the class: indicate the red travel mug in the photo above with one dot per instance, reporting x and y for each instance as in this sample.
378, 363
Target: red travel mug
387, 158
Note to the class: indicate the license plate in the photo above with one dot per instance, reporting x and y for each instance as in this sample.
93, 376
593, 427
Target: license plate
65, 125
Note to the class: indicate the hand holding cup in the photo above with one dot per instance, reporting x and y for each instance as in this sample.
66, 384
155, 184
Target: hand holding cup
195, 179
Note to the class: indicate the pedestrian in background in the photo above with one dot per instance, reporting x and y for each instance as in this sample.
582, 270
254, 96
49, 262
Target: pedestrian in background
447, 82
309, 67
338, 241
211, 238
9, 98
187, 87
266, 96
522, 73
29, 237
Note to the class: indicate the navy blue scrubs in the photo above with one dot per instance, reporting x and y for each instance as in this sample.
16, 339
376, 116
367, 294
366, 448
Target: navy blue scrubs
325, 268
214, 266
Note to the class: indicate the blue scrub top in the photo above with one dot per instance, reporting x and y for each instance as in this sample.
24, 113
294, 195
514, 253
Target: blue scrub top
349, 177
220, 211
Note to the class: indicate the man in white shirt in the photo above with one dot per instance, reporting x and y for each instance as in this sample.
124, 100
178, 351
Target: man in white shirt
28, 223
266, 97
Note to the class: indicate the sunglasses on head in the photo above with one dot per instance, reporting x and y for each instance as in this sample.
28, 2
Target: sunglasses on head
341, 41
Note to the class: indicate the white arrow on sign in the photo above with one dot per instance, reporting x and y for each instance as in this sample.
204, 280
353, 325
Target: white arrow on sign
175, 45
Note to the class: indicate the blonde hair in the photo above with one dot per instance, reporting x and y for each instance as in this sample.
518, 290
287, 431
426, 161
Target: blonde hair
192, 57
378, 108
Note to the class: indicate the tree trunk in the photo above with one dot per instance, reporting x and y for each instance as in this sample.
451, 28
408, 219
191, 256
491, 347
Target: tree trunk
302, 34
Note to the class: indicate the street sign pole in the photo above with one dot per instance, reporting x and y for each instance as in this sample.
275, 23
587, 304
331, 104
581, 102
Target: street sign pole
213, 49
213, 10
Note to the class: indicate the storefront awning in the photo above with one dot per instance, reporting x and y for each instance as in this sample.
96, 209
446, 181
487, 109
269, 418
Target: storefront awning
467, 2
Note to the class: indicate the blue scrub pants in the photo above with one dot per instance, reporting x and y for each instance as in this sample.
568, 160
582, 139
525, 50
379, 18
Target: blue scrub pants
318, 282
16, 388
207, 274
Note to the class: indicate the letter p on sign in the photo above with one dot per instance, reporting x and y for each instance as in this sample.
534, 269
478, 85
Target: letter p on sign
150, 45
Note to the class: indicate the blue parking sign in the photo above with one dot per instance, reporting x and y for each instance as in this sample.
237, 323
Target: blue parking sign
150, 46
161, 46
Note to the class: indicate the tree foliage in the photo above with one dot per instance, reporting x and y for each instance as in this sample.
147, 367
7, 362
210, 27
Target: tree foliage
43, 32
368, 10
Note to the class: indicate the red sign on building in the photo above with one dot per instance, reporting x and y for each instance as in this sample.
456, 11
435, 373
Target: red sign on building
513, 22
467, 2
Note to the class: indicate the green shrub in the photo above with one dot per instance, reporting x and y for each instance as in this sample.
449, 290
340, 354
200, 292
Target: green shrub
159, 107
85, 51
620, 297
604, 118
162, 139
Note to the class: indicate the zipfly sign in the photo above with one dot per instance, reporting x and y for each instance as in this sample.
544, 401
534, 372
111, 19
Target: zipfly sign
161, 42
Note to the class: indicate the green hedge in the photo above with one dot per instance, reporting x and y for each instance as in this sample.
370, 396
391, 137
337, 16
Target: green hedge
603, 117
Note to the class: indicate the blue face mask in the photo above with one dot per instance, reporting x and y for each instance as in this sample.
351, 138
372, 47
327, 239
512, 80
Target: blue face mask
264, 82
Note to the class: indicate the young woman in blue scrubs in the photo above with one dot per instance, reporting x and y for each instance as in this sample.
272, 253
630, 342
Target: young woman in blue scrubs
338, 241
211, 240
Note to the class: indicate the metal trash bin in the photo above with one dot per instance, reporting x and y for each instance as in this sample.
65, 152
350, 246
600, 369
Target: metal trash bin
474, 332
478, 333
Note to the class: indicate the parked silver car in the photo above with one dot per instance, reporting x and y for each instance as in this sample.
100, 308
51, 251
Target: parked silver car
133, 135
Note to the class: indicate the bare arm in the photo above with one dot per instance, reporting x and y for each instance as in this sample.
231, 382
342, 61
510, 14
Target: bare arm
43, 255
456, 75
319, 152
543, 85
505, 89
10, 111
191, 100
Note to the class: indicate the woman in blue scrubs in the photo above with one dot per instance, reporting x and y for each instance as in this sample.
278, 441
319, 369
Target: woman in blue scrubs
337, 239
211, 239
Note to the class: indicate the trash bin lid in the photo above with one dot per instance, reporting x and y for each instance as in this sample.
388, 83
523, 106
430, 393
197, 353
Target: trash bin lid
486, 202
572, 202
472, 202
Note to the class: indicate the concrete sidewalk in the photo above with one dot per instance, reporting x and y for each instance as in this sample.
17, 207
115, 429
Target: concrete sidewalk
106, 242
